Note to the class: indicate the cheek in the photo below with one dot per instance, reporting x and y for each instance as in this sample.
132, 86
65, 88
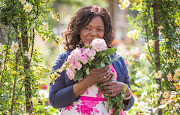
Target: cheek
83, 34
101, 35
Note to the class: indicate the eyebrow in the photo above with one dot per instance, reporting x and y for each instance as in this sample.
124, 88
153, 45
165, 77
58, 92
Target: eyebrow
97, 26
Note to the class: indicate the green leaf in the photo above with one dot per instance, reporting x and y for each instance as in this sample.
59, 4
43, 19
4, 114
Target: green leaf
100, 88
102, 64
125, 87
78, 75
114, 59
111, 51
98, 65
84, 68
87, 71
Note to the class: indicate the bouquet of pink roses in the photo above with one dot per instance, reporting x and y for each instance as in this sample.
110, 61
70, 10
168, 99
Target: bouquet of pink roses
82, 60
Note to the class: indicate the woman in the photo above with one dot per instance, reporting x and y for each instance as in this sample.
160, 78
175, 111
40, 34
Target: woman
81, 98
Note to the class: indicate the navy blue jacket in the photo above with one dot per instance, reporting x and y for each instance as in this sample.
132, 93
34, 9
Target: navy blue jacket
61, 93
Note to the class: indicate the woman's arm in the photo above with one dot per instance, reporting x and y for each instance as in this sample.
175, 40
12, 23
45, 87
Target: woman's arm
130, 102
59, 94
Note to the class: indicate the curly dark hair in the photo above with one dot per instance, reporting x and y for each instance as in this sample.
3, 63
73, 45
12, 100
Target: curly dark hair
81, 19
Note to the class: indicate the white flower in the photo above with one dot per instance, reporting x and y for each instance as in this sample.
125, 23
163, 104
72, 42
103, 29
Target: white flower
34, 100
158, 75
137, 81
130, 34
166, 94
142, 105
45, 25
144, 94
22, 1
142, 56
177, 72
175, 78
133, 34
43, 93
176, 106
28, 7
155, 86
27, 54
126, 3
32, 15
146, 45
163, 101
54, 16
14, 47
121, 6
151, 43
162, 106
138, 74
158, 95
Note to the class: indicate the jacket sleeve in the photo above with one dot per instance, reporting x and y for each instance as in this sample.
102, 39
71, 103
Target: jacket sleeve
126, 81
60, 95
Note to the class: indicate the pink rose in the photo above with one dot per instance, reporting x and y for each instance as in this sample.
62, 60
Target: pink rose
90, 53
99, 44
76, 65
76, 52
70, 73
70, 58
74, 55
83, 58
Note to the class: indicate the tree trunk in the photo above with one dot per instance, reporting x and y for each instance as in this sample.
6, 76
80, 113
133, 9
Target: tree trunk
111, 10
157, 54
27, 78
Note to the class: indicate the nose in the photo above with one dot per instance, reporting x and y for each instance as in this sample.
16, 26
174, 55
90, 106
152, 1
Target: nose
93, 33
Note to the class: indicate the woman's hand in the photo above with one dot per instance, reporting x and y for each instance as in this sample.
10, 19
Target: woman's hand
114, 88
98, 76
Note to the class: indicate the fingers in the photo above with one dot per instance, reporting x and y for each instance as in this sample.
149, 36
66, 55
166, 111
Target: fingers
112, 88
107, 74
105, 69
109, 83
101, 75
110, 93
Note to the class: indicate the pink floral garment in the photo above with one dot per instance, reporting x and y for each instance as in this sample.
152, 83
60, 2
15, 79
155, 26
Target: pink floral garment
90, 103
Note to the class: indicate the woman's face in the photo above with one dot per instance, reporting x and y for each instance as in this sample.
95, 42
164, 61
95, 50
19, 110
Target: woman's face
94, 29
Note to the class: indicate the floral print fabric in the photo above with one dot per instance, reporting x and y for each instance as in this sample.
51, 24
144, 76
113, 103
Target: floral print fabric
90, 103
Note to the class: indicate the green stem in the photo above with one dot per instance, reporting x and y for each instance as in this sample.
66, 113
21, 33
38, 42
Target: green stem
14, 86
